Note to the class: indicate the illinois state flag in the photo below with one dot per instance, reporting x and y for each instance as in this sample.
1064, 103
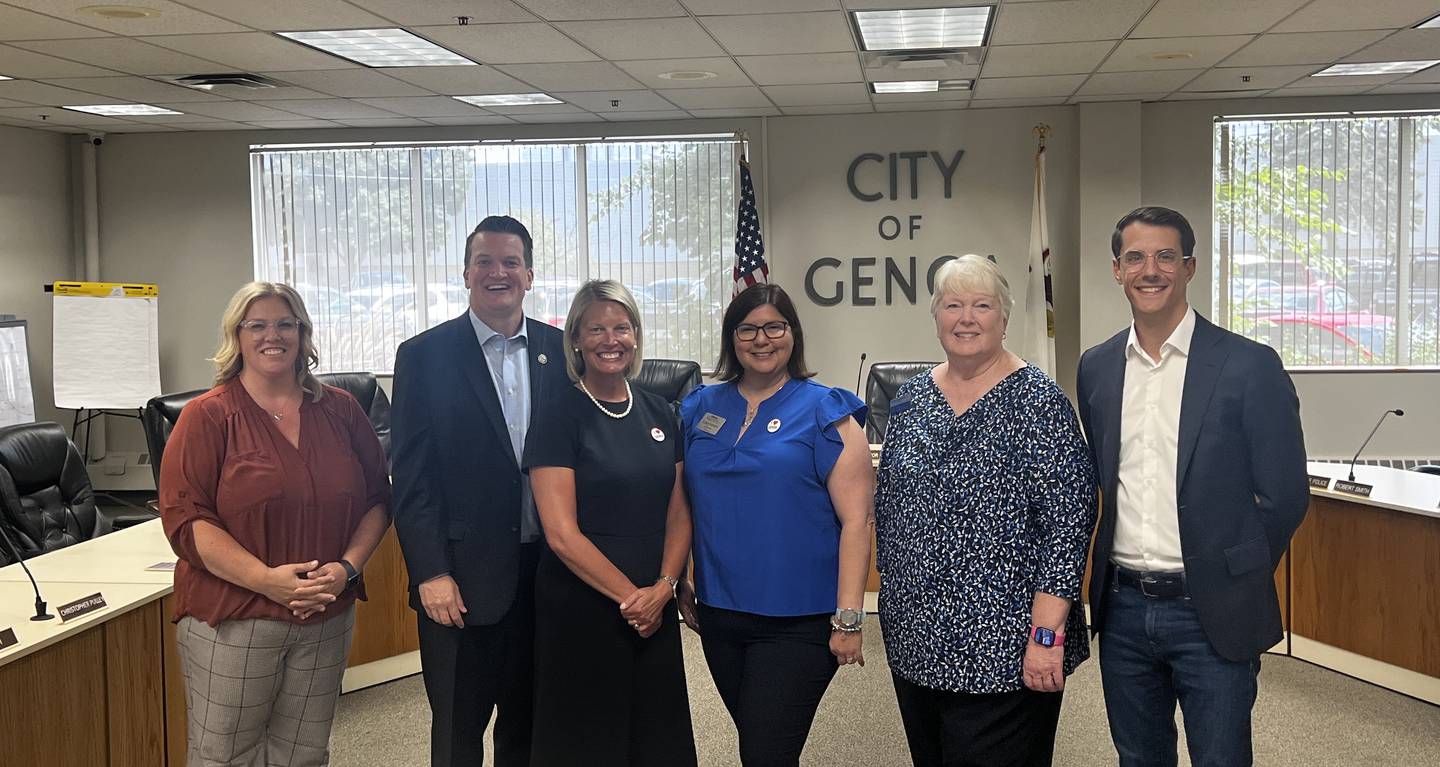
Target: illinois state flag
750, 266
1039, 297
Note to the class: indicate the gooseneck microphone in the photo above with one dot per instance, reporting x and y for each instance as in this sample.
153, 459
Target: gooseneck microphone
859, 372
1398, 412
40, 613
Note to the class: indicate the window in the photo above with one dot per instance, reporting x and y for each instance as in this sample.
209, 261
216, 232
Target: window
1327, 235
372, 236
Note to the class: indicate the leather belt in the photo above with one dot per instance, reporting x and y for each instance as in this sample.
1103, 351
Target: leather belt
1153, 585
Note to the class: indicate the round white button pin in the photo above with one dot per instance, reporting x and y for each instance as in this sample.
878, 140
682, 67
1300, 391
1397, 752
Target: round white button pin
657, 435
773, 426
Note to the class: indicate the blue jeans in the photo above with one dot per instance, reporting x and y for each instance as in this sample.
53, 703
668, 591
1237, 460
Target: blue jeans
1154, 652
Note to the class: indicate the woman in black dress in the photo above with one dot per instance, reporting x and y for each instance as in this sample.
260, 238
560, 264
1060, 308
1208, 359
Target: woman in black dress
605, 466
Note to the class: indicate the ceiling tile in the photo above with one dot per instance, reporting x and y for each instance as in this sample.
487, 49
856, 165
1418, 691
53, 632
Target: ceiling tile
1181, 18
1066, 22
58, 116
460, 81
139, 128
630, 101
1116, 97
1139, 55
1301, 48
1405, 45
667, 114
1045, 59
481, 118
133, 89
173, 19
1182, 96
123, 54
290, 15
1431, 75
382, 122
727, 74
1409, 88
1344, 80
733, 7
330, 109
1330, 15
280, 93
721, 98
803, 95
643, 38
251, 51
1308, 90
939, 106
20, 24
750, 112
585, 76
441, 12
183, 117
535, 109
802, 69
284, 124
577, 117
571, 10
42, 93
1013, 103
1136, 82
508, 43
213, 126
782, 33
18, 63
908, 98
352, 83
426, 106
238, 111
33, 125
1261, 78
8, 104
830, 109
1027, 87
951, 71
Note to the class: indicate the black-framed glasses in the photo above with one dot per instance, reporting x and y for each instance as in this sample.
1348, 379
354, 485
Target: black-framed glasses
773, 330
286, 327
1165, 260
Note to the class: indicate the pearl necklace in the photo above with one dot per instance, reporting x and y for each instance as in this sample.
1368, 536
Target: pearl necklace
629, 401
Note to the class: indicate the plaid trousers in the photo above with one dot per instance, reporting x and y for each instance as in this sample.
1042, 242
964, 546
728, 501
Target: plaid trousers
262, 692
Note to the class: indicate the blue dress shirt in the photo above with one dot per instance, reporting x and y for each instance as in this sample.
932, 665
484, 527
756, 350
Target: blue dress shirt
509, 365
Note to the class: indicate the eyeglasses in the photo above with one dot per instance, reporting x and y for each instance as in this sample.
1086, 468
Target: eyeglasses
286, 327
773, 330
1165, 260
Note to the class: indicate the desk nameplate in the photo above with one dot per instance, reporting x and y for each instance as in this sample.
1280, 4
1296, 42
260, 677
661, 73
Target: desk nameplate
1353, 488
1318, 481
82, 606
8, 638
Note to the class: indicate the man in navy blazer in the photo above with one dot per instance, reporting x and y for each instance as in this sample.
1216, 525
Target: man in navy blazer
466, 392
1195, 432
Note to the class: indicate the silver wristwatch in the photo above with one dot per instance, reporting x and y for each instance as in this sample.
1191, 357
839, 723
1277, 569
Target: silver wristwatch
847, 620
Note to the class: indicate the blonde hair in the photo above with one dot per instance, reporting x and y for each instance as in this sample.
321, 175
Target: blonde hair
227, 359
972, 273
585, 297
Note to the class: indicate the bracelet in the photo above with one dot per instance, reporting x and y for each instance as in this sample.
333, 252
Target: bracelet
835, 625
674, 585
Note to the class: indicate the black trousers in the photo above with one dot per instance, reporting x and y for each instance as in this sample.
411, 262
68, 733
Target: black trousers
958, 729
771, 673
471, 672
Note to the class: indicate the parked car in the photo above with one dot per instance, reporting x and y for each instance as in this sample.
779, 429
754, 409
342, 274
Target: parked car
1353, 338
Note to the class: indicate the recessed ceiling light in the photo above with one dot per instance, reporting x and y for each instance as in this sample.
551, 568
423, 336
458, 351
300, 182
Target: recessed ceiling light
923, 28
1376, 68
123, 110
119, 11
380, 47
906, 86
509, 100
1431, 23
687, 74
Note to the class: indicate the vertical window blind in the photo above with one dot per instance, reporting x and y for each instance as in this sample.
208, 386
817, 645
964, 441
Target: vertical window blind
1327, 236
373, 237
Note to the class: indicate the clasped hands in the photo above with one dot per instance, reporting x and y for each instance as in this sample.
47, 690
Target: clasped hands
643, 609
305, 588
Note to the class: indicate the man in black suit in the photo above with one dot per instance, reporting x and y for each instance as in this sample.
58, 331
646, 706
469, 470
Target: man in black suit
1196, 437
466, 392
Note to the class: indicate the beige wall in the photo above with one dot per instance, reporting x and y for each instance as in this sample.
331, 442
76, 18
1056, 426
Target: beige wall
36, 243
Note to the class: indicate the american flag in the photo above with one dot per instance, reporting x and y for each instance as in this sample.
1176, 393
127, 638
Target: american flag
750, 267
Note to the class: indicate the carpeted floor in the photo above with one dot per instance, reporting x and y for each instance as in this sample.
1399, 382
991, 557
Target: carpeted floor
1306, 716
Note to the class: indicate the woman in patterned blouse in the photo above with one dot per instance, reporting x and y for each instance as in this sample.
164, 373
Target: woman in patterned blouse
984, 507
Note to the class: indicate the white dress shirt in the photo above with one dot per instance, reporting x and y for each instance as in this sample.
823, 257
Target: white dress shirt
1147, 522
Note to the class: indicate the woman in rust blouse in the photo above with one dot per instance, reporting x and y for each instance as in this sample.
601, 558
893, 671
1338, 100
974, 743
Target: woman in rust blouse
273, 493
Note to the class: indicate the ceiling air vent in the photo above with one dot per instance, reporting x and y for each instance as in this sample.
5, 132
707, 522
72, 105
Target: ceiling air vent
921, 60
233, 79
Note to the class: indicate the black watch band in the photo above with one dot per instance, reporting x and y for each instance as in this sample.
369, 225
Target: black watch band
352, 576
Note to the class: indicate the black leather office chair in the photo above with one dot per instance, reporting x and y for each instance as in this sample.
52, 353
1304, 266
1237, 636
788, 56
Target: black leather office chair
884, 380
1427, 468
670, 379
371, 397
158, 418
46, 502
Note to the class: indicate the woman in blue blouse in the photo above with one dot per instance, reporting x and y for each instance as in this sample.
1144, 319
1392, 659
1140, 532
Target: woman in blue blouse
985, 503
780, 484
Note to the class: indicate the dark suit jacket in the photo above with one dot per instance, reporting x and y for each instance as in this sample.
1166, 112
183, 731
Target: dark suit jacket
1240, 480
457, 483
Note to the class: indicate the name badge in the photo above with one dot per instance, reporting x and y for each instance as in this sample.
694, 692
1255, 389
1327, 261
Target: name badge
710, 424
899, 405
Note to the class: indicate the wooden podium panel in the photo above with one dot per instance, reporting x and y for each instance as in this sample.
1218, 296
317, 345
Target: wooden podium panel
385, 626
1364, 580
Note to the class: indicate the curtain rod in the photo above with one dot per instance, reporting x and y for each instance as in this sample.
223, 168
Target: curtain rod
567, 141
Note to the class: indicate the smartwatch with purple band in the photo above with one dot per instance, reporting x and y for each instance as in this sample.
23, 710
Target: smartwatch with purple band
1045, 637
